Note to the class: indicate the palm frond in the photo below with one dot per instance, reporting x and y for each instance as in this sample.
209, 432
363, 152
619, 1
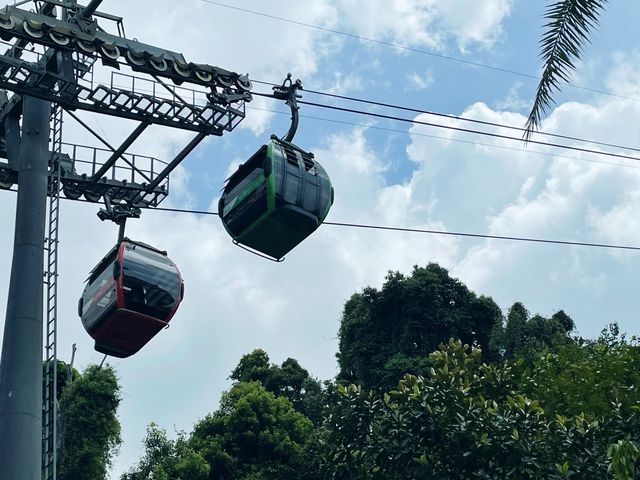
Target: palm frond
569, 23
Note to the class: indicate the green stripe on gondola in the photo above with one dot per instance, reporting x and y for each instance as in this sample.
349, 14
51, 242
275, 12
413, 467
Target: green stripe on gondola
271, 187
249, 189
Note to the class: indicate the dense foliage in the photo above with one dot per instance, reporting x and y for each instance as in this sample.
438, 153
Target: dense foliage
288, 380
522, 335
464, 420
253, 435
389, 332
166, 459
89, 425
435, 383
64, 375
587, 376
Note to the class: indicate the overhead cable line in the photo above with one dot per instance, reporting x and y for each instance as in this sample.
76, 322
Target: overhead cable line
457, 140
473, 120
461, 118
460, 129
410, 49
450, 117
420, 230
436, 232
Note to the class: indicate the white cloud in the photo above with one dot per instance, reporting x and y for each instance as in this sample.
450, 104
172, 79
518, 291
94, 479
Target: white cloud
623, 78
405, 22
620, 224
420, 82
474, 22
235, 301
426, 23
363, 196
513, 101
342, 84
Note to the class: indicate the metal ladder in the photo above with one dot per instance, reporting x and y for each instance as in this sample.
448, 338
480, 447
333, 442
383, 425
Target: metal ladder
82, 65
50, 413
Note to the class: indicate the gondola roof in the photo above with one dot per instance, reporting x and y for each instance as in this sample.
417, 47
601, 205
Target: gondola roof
108, 258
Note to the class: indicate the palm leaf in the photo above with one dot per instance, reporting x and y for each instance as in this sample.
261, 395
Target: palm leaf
569, 23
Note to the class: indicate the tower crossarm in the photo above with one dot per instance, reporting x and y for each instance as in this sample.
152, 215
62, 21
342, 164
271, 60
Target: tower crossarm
137, 180
83, 34
137, 98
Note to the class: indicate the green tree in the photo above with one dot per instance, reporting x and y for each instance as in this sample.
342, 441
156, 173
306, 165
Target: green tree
389, 332
168, 459
569, 24
527, 337
253, 435
288, 380
515, 329
253, 367
463, 420
64, 375
90, 427
587, 376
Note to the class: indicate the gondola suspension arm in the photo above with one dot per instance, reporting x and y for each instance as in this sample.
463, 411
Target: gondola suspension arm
118, 214
288, 91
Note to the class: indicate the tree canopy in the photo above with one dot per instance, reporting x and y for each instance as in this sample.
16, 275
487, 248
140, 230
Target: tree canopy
587, 376
417, 397
261, 430
464, 420
389, 332
288, 380
166, 459
90, 427
523, 335
253, 435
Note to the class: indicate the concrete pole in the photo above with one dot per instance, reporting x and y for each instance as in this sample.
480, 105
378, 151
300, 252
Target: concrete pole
21, 361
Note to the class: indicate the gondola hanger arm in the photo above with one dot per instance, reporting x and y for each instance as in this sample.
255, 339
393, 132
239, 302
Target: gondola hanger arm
288, 91
118, 214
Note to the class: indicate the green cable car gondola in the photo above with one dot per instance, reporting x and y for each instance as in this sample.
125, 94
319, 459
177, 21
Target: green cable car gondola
276, 199
280, 195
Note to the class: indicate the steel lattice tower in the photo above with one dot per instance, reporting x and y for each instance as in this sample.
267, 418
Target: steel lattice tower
52, 50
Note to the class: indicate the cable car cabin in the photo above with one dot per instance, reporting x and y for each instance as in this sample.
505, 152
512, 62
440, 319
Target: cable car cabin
129, 297
276, 199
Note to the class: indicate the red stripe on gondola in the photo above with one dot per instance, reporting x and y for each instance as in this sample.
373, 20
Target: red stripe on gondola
179, 297
119, 282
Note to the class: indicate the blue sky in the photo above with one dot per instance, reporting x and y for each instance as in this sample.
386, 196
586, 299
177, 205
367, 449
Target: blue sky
236, 302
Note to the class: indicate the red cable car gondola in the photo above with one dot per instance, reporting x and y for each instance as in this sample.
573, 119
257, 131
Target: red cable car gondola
129, 297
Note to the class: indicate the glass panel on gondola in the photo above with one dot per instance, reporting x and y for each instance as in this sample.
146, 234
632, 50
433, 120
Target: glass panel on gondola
100, 295
276, 199
245, 193
150, 282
